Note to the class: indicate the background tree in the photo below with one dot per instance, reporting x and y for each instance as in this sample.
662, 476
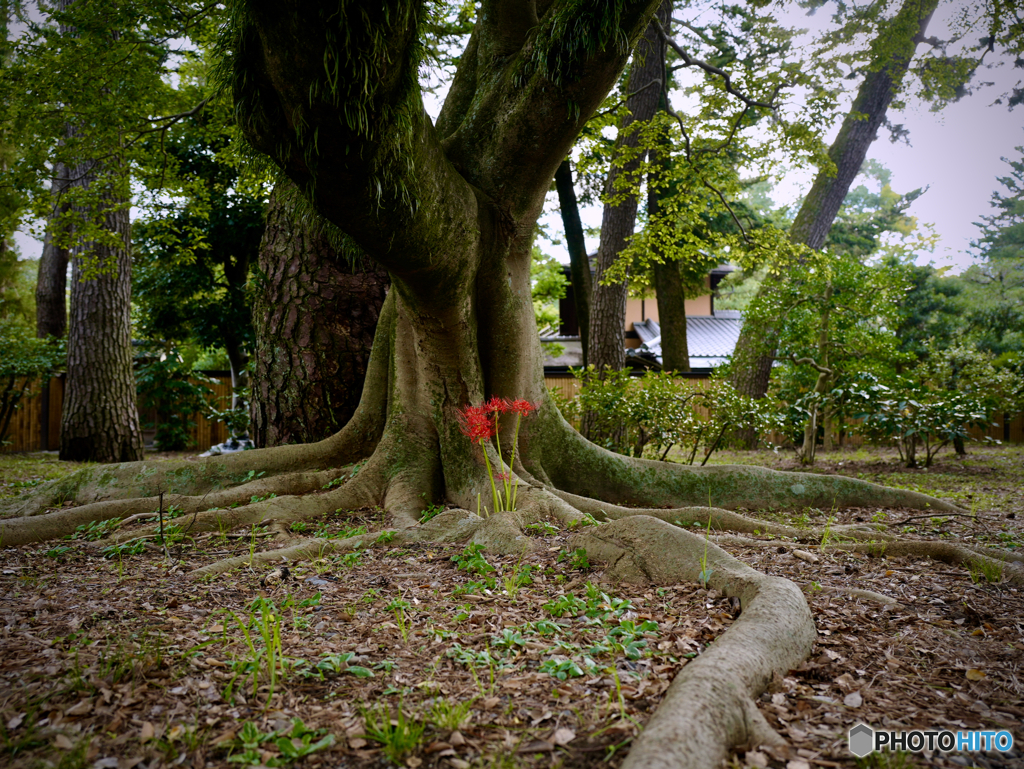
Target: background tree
316, 303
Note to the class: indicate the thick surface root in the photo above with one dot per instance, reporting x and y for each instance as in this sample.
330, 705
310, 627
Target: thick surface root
709, 708
60, 523
720, 520
579, 467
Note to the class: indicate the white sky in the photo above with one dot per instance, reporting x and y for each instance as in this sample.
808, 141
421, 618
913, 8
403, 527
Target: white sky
956, 153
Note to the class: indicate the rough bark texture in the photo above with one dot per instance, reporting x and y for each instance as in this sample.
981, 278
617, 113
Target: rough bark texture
608, 306
892, 52
579, 263
314, 315
100, 420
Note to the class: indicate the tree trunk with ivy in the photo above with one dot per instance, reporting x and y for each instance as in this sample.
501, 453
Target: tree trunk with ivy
891, 54
449, 210
315, 311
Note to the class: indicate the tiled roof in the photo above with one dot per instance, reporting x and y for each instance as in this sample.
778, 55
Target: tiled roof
710, 339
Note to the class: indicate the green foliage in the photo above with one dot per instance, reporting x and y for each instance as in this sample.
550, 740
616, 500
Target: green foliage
547, 286
177, 393
291, 744
936, 402
398, 735
649, 415
24, 360
472, 560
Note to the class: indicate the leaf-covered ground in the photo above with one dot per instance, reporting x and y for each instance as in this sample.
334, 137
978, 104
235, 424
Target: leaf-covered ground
406, 656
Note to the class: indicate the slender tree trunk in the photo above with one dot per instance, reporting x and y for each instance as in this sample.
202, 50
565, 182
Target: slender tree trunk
100, 421
579, 264
891, 54
314, 317
608, 307
239, 374
668, 284
51, 284
675, 353
809, 450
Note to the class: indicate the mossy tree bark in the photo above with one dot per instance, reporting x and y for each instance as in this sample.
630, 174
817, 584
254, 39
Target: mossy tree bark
315, 311
891, 54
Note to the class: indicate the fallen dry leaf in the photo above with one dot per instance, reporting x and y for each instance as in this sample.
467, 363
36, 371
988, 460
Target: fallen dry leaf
563, 736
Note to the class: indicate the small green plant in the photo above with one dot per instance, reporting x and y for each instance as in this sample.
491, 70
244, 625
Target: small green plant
432, 511
565, 605
400, 608
986, 570
398, 735
299, 526
292, 744
517, 578
338, 663
385, 537
96, 529
447, 715
472, 560
704, 578
263, 625
577, 558
561, 669
541, 529
131, 547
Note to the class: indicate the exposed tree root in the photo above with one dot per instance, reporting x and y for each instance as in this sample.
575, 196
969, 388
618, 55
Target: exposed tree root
38, 528
580, 467
721, 520
709, 708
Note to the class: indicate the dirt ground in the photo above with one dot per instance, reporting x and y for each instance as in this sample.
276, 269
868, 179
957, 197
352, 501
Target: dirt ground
445, 657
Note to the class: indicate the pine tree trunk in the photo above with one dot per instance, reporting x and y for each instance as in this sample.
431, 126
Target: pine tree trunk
891, 55
579, 264
608, 305
314, 316
100, 420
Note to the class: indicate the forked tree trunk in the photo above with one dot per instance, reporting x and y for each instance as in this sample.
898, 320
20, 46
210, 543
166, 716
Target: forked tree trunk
100, 420
891, 54
315, 311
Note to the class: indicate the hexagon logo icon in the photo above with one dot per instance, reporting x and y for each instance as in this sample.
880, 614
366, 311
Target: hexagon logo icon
861, 740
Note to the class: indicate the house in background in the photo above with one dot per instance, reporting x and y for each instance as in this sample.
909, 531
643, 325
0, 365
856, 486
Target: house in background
710, 335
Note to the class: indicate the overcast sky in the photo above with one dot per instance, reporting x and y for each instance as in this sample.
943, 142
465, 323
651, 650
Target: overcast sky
956, 153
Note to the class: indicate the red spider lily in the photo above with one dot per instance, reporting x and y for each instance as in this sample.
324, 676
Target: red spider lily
497, 405
503, 477
476, 423
521, 407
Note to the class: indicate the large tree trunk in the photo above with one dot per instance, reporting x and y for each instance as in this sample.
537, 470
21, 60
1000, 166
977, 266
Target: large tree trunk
608, 306
579, 263
315, 312
100, 420
891, 54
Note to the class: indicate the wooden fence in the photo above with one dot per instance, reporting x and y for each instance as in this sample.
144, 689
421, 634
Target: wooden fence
30, 420
27, 426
